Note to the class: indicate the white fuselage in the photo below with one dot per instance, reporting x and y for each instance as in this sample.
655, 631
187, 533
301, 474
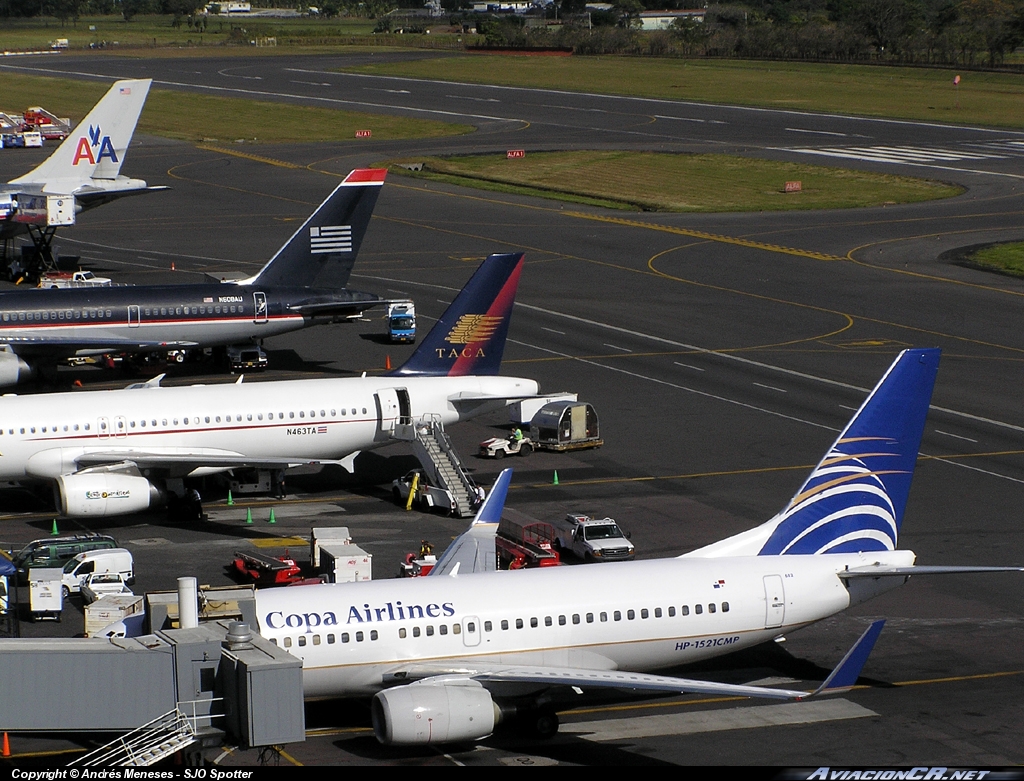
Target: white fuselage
637, 616
43, 436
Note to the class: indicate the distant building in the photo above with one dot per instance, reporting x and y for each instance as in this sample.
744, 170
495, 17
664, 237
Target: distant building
502, 6
663, 20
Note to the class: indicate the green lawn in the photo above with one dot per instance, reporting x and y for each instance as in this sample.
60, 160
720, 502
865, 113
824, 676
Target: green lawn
667, 182
995, 99
1008, 258
193, 117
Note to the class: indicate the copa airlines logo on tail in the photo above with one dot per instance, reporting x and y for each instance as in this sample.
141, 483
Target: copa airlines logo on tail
844, 506
469, 330
94, 147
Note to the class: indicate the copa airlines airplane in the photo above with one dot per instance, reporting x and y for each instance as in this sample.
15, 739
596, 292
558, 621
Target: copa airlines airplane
87, 164
448, 657
122, 451
302, 285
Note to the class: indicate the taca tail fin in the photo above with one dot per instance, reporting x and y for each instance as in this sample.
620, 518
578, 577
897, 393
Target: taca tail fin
470, 336
854, 499
96, 148
322, 252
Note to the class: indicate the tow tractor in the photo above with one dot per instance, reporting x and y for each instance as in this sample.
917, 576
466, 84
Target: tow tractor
264, 570
499, 447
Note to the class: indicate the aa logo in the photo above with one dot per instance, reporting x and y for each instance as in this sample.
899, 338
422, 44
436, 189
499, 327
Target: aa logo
472, 329
95, 141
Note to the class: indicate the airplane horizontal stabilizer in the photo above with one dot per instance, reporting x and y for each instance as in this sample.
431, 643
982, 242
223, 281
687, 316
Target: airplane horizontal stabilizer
885, 572
846, 673
470, 336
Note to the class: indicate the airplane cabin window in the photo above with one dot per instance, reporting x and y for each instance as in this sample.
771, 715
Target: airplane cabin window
302, 640
273, 640
590, 618
504, 623
533, 623
575, 618
685, 610
657, 612
672, 612
344, 637
316, 639
644, 613
698, 609
519, 623
711, 607
604, 617
401, 633
287, 642
457, 628
373, 634
487, 626
430, 630
547, 620
443, 629
630, 614
725, 607
561, 620
359, 637
330, 639
415, 631
617, 615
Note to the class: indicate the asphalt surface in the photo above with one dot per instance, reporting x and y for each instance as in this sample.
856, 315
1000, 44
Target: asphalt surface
722, 352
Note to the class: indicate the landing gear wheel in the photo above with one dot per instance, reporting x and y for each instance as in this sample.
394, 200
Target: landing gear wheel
540, 724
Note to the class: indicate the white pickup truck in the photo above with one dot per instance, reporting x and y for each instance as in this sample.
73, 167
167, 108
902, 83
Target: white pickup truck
58, 279
591, 539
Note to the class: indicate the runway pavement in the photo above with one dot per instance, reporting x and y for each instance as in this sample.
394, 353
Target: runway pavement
722, 352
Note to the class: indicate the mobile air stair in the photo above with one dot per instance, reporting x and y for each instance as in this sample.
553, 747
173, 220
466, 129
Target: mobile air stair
441, 464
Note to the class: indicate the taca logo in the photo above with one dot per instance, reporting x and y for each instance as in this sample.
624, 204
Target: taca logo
95, 140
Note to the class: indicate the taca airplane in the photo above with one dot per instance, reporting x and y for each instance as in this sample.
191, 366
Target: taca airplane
302, 285
122, 451
88, 162
448, 657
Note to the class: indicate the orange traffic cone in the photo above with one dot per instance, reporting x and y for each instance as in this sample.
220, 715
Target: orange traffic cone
172, 265
387, 362
7, 746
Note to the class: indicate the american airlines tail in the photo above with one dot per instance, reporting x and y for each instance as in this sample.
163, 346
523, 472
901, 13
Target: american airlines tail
95, 150
322, 252
470, 336
854, 499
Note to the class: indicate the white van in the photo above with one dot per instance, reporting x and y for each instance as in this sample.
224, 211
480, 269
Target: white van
84, 564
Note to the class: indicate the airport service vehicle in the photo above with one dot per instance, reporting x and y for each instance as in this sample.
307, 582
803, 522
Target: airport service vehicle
246, 358
499, 447
402, 321
522, 542
265, 570
425, 496
75, 572
591, 539
103, 584
23, 139
57, 551
86, 166
65, 279
450, 656
302, 285
45, 593
113, 452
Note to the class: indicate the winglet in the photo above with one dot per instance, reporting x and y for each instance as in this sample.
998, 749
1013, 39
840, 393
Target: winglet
848, 670
490, 510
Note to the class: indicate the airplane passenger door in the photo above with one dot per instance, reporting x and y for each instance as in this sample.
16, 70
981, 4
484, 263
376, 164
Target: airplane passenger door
260, 310
775, 601
133, 316
387, 413
471, 631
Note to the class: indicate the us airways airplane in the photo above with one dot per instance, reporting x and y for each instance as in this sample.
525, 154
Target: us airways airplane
302, 285
447, 657
87, 164
121, 451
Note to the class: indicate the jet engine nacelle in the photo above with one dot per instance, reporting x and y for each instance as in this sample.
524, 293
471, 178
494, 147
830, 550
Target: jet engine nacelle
433, 713
13, 369
100, 494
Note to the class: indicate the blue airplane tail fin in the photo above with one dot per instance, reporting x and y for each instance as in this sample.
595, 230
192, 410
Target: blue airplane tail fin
854, 499
322, 252
470, 336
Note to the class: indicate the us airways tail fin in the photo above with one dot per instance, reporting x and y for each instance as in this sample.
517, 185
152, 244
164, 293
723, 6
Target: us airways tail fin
470, 336
854, 499
322, 252
94, 151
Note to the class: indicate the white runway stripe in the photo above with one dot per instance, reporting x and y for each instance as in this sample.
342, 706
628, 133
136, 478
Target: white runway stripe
898, 154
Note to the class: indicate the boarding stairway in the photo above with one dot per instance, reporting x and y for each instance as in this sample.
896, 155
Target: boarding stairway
441, 463
158, 739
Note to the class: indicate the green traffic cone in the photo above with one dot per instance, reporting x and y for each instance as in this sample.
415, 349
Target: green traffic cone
273, 518
555, 481
231, 501
54, 531
248, 515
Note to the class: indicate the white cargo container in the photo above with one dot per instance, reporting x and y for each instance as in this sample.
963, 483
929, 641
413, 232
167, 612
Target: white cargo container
522, 412
345, 563
331, 535
45, 210
109, 609
45, 594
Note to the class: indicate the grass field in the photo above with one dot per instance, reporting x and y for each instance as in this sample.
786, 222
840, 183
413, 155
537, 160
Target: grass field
994, 99
156, 31
687, 183
1008, 258
191, 117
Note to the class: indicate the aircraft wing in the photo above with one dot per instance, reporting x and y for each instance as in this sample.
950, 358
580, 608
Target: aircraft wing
333, 308
497, 676
85, 345
181, 461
